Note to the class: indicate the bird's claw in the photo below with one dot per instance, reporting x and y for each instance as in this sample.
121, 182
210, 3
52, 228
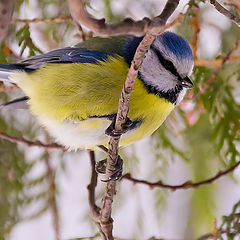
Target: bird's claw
110, 131
101, 168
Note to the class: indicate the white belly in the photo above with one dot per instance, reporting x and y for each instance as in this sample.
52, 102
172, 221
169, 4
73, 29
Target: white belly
84, 134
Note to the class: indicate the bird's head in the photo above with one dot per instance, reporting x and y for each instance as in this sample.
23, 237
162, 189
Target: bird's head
168, 64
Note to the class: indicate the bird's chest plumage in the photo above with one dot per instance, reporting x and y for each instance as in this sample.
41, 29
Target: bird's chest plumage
149, 110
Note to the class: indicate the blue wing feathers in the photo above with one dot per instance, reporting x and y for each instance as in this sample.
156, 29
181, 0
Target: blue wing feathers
66, 55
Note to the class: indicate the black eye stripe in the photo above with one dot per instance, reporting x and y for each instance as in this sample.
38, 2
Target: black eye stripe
168, 65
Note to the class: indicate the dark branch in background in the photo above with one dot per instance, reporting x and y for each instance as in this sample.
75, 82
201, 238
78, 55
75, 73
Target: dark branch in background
196, 30
185, 185
152, 29
98, 26
52, 196
30, 143
60, 19
94, 209
127, 26
6, 11
4, 88
225, 12
215, 63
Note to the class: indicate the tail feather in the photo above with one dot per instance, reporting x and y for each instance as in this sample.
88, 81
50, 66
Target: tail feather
5, 76
6, 71
19, 103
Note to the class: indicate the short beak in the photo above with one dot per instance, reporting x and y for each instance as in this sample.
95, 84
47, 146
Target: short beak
187, 83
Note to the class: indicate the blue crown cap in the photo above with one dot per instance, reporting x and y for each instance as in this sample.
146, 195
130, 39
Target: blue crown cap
176, 44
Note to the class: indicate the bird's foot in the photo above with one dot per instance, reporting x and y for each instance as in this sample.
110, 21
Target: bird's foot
100, 168
110, 131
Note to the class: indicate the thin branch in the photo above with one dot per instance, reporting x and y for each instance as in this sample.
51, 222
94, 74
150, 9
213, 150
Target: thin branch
196, 27
96, 236
215, 230
127, 26
225, 12
185, 185
8, 88
61, 19
94, 209
30, 143
176, 21
68, 18
52, 196
215, 63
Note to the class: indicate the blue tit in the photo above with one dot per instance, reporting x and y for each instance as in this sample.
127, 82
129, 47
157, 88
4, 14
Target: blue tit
74, 91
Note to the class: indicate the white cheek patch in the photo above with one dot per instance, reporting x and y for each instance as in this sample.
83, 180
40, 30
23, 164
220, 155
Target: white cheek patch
155, 74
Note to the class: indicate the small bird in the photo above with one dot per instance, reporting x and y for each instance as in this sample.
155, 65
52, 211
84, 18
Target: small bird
74, 91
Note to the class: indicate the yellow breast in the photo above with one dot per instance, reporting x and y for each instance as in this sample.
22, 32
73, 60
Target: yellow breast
150, 109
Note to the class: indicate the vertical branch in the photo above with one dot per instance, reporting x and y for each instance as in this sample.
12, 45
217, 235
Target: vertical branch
6, 11
215, 230
155, 28
94, 209
196, 27
52, 196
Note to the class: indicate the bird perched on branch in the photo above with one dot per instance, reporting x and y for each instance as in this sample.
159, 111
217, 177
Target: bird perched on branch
74, 91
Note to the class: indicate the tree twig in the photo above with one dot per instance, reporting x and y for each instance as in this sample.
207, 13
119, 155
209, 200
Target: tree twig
176, 21
30, 143
215, 63
127, 26
68, 18
94, 209
225, 12
52, 196
215, 230
185, 185
7, 88
196, 29
60, 19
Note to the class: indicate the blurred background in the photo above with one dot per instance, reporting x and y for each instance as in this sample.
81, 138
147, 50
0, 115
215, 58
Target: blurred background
43, 194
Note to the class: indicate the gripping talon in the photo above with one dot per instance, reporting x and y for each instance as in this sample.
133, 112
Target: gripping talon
100, 167
110, 131
118, 172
